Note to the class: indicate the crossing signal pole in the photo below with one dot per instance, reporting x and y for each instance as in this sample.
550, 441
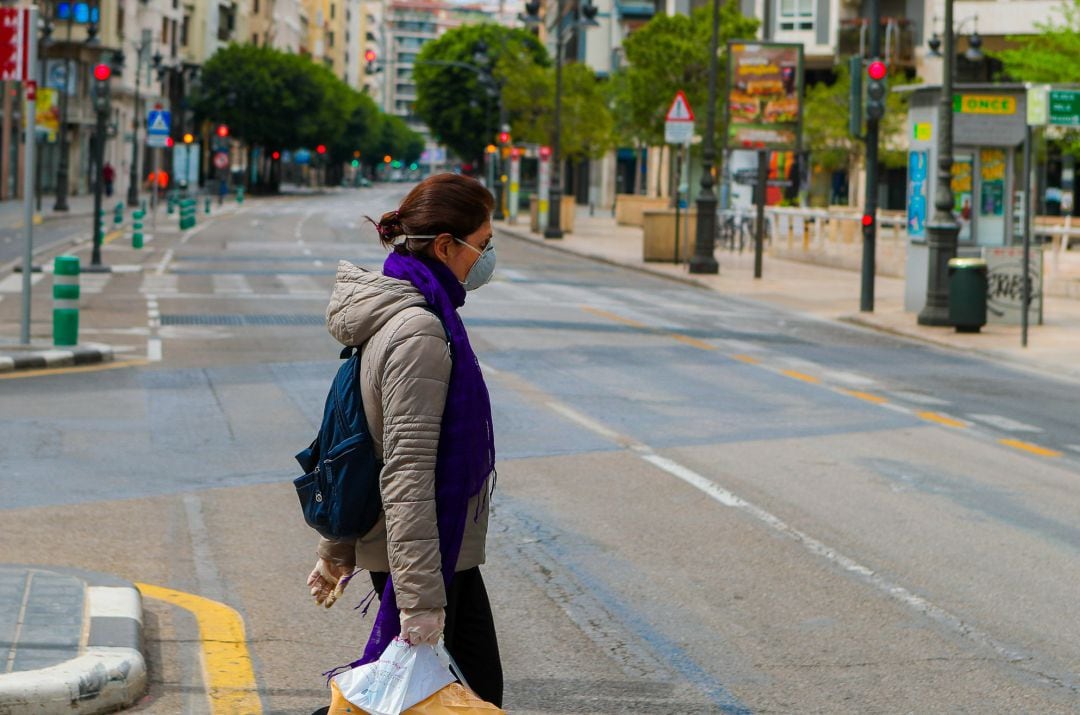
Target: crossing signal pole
101, 92
876, 71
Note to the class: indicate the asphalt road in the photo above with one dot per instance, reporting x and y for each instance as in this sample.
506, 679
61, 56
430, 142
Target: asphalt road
704, 504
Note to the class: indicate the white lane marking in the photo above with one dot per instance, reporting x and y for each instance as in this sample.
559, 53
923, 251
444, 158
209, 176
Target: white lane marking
230, 283
113, 602
153, 321
918, 398
1073, 447
13, 283
299, 230
849, 378
732, 500
153, 349
165, 260
93, 282
1004, 423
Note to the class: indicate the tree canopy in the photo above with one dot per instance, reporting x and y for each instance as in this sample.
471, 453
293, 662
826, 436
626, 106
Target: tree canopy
456, 95
669, 53
279, 100
1051, 56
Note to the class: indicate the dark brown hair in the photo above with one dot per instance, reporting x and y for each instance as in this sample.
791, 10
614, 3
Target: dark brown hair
442, 203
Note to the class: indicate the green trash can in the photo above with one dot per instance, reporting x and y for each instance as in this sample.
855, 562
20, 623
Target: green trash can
968, 286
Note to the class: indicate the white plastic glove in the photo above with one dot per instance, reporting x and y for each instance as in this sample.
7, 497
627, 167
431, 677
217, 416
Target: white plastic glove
422, 625
326, 582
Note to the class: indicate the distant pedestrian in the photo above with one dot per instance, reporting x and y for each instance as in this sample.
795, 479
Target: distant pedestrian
430, 418
108, 175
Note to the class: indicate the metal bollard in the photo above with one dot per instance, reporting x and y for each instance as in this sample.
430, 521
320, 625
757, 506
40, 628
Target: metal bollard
207, 204
136, 228
66, 300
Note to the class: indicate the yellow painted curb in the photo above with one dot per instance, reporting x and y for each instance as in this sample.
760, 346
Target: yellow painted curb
941, 419
228, 673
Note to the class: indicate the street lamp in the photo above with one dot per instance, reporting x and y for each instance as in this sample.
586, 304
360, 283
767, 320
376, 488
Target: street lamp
141, 49
585, 16
704, 260
942, 230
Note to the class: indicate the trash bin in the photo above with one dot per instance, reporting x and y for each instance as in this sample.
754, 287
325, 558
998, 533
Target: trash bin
967, 294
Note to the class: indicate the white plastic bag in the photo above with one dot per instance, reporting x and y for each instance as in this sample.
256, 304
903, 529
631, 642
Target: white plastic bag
403, 676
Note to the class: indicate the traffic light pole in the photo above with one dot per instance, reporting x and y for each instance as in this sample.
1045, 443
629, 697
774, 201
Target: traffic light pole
873, 120
99, 180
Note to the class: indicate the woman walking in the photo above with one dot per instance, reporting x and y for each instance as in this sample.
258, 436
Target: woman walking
429, 414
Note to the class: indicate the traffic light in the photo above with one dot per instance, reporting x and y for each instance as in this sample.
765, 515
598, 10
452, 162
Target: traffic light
102, 73
189, 138
387, 159
321, 149
491, 149
876, 90
545, 153
355, 163
369, 57
276, 155
504, 137
223, 130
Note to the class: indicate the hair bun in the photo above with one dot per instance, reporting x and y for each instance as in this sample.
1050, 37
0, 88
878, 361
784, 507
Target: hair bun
389, 226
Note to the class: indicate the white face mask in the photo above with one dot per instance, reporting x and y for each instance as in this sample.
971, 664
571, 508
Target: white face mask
482, 270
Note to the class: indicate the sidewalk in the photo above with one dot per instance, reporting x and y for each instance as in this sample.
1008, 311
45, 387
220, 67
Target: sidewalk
71, 641
11, 211
828, 293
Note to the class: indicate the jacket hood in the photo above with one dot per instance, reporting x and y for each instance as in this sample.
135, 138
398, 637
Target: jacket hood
363, 301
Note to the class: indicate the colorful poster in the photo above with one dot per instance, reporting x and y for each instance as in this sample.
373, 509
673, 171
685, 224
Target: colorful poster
764, 105
47, 113
963, 178
992, 184
916, 206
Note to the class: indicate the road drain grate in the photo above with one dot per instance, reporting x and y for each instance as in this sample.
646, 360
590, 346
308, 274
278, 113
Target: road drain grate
244, 320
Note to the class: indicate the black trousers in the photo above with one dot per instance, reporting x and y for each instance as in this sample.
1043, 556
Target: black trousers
469, 632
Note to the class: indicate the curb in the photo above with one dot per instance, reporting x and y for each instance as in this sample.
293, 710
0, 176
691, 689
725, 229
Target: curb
109, 674
87, 354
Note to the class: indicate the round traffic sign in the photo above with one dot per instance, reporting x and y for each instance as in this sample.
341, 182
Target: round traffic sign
221, 160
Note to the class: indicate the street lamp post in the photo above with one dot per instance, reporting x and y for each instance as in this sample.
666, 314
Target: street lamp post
942, 230
585, 18
704, 260
133, 175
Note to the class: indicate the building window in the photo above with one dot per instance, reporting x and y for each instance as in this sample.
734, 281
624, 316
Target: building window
796, 14
255, 7
330, 38
333, 11
185, 28
255, 39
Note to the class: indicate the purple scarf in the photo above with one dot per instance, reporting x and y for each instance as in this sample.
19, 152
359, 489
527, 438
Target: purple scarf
466, 456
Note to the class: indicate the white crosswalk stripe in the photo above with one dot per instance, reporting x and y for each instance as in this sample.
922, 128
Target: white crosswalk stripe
93, 282
302, 285
1004, 423
230, 283
13, 283
154, 284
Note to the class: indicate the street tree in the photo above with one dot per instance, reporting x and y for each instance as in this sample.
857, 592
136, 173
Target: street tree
457, 88
1051, 56
671, 52
825, 126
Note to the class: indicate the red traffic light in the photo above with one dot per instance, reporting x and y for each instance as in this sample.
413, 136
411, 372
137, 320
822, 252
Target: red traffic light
102, 72
504, 137
222, 131
276, 155
867, 220
169, 142
321, 149
545, 152
369, 55
877, 70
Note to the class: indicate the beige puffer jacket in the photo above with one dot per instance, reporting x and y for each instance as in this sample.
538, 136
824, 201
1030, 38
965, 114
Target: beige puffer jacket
405, 366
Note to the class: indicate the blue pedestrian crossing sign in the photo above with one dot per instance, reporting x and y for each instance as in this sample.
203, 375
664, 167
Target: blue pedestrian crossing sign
158, 127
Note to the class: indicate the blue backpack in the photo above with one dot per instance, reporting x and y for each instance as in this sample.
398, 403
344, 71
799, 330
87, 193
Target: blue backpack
339, 491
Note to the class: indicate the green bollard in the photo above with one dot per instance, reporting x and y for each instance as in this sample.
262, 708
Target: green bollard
136, 228
66, 300
207, 200
172, 205
239, 194
118, 216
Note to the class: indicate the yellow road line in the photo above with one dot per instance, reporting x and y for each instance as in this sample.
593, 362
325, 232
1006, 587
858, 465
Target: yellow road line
112, 236
19, 374
613, 316
1029, 447
941, 419
693, 342
748, 359
868, 396
801, 376
229, 675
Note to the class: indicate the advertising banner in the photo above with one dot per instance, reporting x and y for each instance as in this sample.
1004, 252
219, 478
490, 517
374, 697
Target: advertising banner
764, 95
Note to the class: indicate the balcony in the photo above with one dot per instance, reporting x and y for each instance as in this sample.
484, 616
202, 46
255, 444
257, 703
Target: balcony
897, 40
